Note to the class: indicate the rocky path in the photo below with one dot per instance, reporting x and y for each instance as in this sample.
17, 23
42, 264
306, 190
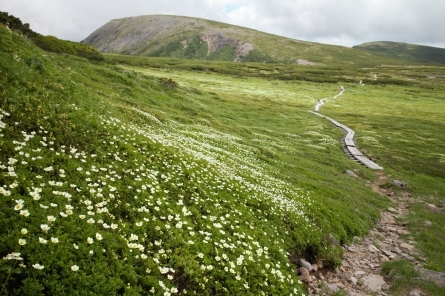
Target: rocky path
361, 266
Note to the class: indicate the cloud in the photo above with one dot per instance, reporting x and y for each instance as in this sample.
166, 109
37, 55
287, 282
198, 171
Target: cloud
345, 22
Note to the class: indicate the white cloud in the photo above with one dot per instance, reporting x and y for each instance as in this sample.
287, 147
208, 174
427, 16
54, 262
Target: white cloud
345, 22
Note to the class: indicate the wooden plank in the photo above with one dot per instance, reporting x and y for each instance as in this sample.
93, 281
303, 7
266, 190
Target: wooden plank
349, 143
354, 151
370, 164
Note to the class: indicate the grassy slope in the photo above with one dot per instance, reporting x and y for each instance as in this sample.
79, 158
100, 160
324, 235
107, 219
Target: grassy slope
411, 53
153, 188
233, 143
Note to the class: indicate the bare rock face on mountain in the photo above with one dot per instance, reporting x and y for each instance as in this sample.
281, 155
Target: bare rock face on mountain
216, 41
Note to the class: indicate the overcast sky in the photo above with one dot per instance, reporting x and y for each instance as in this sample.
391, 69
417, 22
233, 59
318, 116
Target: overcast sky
342, 22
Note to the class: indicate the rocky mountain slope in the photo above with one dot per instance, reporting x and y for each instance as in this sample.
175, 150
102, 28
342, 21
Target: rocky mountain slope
193, 38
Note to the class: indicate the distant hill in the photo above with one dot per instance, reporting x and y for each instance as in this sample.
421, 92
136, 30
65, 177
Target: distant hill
405, 51
194, 38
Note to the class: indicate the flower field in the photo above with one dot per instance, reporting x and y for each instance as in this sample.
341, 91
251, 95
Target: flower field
113, 184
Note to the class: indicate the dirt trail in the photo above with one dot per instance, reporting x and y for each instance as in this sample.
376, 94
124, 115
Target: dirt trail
361, 266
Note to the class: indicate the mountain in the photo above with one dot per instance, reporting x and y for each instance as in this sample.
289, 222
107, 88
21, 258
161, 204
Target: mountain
194, 38
405, 51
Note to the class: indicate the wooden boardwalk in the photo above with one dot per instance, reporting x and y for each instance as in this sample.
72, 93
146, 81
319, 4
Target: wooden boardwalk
348, 139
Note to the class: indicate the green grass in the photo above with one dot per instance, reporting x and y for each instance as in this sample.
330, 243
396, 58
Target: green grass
169, 175
404, 279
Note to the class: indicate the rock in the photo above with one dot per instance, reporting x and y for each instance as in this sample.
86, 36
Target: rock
351, 174
400, 184
305, 277
332, 240
388, 253
360, 272
406, 246
305, 264
332, 288
433, 208
397, 250
384, 259
427, 223
415, 292
314, 267
373, 282
372, 249
392, 210
353, 280
320, 264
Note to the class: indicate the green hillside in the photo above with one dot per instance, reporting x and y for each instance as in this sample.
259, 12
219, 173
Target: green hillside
139, 175
194, 38
404, 51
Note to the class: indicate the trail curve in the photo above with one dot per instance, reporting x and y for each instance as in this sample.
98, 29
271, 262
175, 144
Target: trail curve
348, 140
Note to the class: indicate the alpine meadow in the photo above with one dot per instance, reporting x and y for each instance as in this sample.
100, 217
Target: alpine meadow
158, 175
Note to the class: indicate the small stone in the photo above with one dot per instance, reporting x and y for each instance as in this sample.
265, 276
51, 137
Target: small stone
360, 272
353, 280
400, 184
392, 210
305, 277
374, 282
387, 253
415, 292
305, 264
314, 267
427, 223
406, 246
351, 174
373, 249
397, 250
320, 264
384, 259
332, 288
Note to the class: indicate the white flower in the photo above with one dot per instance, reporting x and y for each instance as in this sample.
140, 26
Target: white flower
63, 214
38, 266
74, 268
98, 236
24, 213
54, 240
90, 240
18, 207
22, 242
42, 240
51, 219
201, 255
45, 227
163, 270
133, 237
90, 221
13, 256
82, 216
24, 231
75, 246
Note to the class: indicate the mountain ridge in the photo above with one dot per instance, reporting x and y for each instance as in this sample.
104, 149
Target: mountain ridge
195, 38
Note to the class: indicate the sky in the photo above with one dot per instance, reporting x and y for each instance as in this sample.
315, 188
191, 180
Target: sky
339, 22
